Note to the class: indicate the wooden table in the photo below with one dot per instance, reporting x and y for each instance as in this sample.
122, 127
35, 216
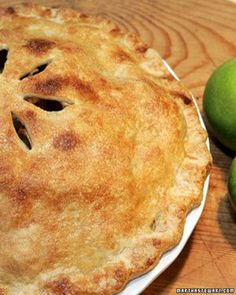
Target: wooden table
194, 37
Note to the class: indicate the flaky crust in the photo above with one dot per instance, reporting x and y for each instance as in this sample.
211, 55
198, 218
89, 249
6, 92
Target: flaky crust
105, 189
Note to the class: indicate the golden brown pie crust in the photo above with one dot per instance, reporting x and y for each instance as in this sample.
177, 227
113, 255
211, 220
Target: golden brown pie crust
106, 186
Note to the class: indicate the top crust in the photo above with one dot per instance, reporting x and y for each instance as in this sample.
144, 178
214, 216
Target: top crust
106, 187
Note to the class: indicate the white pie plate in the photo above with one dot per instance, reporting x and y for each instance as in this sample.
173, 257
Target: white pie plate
136, 286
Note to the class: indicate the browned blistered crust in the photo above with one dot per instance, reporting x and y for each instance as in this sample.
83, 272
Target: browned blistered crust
105, 189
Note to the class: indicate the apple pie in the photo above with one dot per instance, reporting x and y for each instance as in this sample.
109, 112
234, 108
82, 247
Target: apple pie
102, 154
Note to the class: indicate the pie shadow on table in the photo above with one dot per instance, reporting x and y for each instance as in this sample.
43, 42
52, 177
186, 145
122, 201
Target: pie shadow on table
227, 220
166, 280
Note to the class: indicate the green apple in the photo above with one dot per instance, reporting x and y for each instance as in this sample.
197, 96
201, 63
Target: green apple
232, 183
219, 102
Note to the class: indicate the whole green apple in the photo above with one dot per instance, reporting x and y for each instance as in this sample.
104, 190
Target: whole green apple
219, 102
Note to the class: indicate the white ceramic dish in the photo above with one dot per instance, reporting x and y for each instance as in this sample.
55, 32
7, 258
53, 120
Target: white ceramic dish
136, 286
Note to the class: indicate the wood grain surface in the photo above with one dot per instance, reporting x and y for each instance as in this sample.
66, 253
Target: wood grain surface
194, 37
